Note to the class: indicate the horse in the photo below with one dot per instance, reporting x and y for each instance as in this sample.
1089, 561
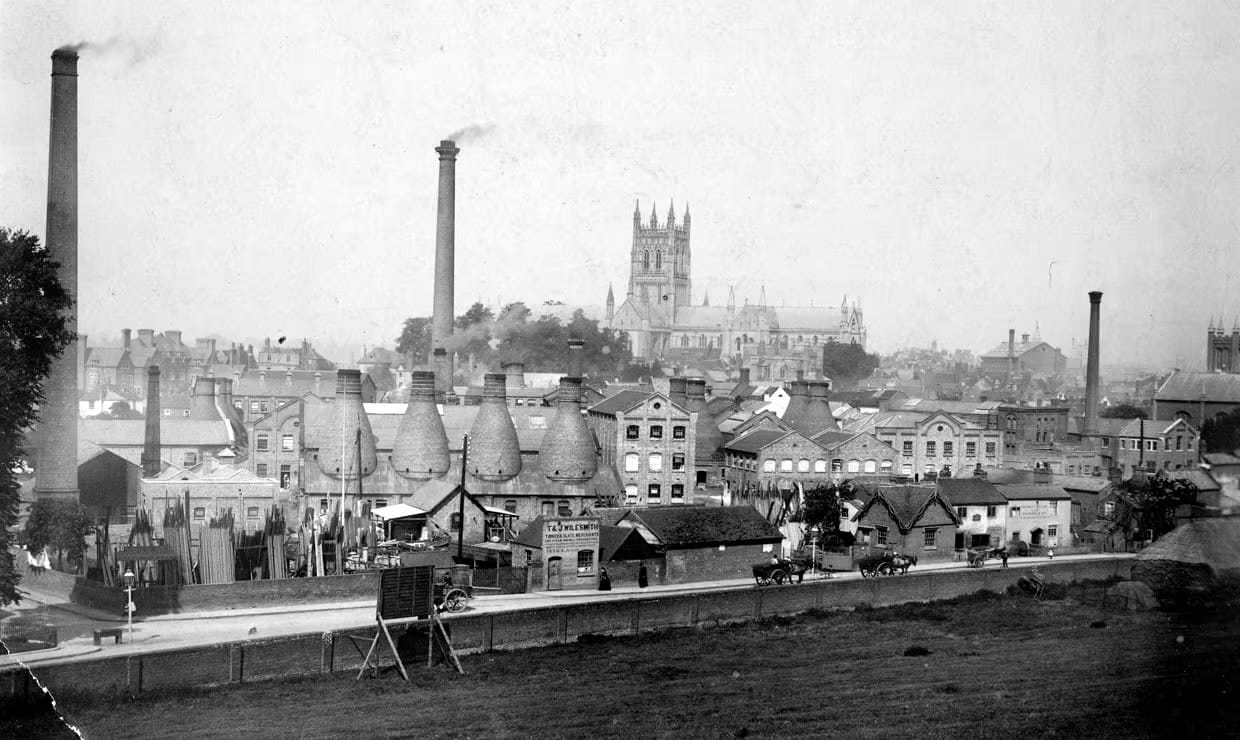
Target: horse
902, 563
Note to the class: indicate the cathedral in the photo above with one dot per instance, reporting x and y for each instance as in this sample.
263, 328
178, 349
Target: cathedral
662, 322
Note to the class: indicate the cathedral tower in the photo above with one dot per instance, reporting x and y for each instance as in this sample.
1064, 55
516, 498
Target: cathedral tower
660, 261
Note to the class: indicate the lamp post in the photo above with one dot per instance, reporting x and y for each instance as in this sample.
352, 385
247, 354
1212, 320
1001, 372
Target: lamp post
813, 544
129, 581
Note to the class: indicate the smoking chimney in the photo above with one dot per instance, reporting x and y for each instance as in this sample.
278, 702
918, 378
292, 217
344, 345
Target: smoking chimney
56, 472
494, 451
1091, 363
347, 431
443, 373
420, 450
445, 246
150, 446
126, 335
514, 373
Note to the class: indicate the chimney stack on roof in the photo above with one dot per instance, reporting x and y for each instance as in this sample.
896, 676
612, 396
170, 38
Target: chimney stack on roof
707, 439
676, 390
494, 450
445, 247
126, 334
514, 374
420, 450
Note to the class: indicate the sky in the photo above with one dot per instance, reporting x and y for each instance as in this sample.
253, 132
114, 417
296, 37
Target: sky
959, 168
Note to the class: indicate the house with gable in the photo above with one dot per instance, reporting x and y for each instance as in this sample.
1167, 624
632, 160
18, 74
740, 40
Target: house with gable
910, 520
699, 543
650, 442
980, 509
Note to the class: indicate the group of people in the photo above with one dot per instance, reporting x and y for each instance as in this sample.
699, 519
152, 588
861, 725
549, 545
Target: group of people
643, 578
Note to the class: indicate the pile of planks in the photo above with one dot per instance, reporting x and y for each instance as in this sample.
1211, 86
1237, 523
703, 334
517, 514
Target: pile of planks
273, 531
176, 537
217, 555
142, 534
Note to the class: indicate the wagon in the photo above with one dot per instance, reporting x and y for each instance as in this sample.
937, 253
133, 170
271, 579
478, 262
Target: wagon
780, 572
875, 565
450, 597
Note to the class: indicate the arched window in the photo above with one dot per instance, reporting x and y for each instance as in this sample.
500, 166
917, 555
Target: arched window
837, 465
820, 466
646, 260
658, 260
854, 466
768, 466
786, 465
684, 340
886, 466
871, 466
802, 466
1011, 422
631, 462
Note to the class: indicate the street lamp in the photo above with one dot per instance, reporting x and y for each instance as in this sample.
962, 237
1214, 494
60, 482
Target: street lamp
813, 544
129, 581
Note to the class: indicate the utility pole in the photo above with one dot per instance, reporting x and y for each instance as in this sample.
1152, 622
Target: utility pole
460, 532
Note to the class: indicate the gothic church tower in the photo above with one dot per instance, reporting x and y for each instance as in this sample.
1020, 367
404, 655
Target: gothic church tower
659, 262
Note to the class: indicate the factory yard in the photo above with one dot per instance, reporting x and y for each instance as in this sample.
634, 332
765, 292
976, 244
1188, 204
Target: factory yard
983, 665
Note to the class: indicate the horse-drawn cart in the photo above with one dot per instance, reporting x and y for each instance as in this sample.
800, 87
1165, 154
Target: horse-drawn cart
886, 564
779, 571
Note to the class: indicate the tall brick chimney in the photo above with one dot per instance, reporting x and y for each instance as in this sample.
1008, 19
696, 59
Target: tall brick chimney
1091, 363
445, 247
420, 450
150, 444
56, 470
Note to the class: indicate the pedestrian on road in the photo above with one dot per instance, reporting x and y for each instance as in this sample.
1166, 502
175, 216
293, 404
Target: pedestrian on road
1050, 553
643, 580
1004, 554
604, 581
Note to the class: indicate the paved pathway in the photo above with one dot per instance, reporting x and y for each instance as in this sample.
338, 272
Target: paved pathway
187, 629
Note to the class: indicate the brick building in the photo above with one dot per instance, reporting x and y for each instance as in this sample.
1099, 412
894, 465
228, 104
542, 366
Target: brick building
650, 443
1149, 445
910, 520
932, 443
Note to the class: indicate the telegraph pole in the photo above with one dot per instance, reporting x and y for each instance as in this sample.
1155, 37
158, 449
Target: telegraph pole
460, 532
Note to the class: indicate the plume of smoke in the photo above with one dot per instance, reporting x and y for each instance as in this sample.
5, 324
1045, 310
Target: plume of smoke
472, 132
129, 50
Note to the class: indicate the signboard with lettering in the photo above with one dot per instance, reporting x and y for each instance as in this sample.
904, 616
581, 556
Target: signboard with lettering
570, 552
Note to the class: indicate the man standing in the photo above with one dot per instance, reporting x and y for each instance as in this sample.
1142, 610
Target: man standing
642, 578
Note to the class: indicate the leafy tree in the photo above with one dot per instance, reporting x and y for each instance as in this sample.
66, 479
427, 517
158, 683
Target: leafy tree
415, 339
477, 314
59, 525
121, 410
847, 363
1124, 411
823, 503
1155, 498
34, 329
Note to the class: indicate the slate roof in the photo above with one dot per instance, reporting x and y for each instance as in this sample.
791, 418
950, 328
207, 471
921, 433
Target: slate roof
911, 506
970, 492
105, 356
1220, 458
1093, 484
622, 401
1001, 351
831, 438
1033, 491
683, 527
1214, 542
174, 431
284, 384
754, 440
1217, 387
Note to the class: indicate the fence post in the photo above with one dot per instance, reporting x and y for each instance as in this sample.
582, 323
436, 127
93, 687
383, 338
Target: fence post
757, 603
133, 674
327, 653
489, 633
562, 627
236, 659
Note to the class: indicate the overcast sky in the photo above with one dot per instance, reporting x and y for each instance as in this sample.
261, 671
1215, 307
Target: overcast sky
960, 168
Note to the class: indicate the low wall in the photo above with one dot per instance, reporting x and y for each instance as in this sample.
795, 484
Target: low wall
303, 655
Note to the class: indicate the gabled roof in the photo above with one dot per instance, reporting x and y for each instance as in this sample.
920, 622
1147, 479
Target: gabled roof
755, 440
622, 401
970, 492
831, 438
911, 506
1216, 387
1001, 351
680, 527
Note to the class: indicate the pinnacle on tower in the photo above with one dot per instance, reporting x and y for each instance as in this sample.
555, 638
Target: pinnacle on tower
762, 296
671, 213
706, 297
654, 216
1210, 330
611, 297
637, 209
731, 297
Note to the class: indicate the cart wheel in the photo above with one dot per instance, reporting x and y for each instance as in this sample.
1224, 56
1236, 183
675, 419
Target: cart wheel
885, 569
779, 577
454, 600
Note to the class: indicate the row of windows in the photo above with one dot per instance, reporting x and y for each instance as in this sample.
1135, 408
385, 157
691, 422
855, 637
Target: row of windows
632, 462
930, 538
962, 512
653, 491
949, 448
633, 431
286, 473
1151, 445
262, 442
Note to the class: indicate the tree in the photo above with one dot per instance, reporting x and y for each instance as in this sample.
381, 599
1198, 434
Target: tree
847, 363
821, 508
121, 410
1124, 411
477, 314
1222, 433
59, 525
1155, 498
415, 339
34, 329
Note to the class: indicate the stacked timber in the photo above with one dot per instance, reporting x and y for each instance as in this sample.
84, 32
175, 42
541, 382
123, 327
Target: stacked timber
176, 537
217, 556
142, 534
273, 530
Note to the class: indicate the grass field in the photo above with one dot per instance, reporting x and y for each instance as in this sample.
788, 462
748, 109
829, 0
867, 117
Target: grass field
981, 666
